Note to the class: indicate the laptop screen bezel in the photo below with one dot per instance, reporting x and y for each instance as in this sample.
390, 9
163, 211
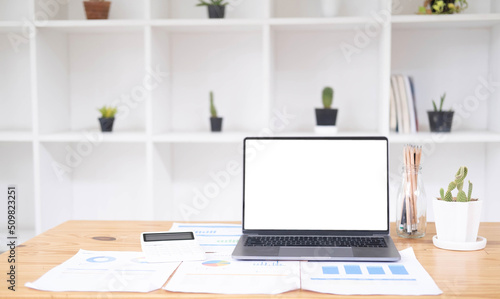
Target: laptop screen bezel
317, 232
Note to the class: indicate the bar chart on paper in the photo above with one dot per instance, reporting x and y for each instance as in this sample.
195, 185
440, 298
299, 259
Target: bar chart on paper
406, 277
356, 272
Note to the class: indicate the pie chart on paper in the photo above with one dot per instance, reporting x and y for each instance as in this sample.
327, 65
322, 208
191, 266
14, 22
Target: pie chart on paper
216, 263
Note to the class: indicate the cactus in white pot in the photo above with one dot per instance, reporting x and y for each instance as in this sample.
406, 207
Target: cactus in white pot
457, 218
459, 184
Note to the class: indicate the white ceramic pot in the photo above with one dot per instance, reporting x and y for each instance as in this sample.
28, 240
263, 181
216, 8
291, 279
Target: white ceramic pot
457, 221
325, 130
330, 8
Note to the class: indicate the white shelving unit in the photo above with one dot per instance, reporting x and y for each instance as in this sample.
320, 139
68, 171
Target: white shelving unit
266, 63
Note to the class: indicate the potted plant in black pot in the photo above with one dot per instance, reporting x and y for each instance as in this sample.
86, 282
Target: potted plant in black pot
215, 121
96, 9
326, 117
439, 120
107, 118
216, 8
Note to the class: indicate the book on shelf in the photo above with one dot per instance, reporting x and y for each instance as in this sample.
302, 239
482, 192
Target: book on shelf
403, 113
393, 125
397, 104
412, 89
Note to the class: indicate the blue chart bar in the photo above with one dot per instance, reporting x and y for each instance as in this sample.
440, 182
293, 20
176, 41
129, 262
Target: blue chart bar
398, 270
375, 270
330, 270
352, 269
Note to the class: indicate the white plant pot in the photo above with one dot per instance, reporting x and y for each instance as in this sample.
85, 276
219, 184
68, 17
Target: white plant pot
325, 130
457, 222
330, 8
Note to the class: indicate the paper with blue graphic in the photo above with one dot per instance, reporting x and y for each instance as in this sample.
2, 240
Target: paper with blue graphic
213, 237
406, 277
105, 271
220, 274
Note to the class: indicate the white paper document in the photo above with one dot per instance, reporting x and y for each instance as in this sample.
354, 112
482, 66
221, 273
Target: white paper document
406, 277
221, 238
222, 275
106, 271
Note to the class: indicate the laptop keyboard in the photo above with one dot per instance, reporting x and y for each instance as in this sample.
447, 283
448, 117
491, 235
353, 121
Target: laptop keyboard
316, 241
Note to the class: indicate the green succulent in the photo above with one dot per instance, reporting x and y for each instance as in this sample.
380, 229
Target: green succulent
213, 111
443, 7
459, 184
440, 104
212, 2
327, 97
108, 112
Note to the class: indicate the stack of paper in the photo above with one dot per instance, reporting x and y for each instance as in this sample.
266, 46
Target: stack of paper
108, 271
221, 274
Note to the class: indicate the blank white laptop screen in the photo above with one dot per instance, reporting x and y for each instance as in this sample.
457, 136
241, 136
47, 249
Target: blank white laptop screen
315, 184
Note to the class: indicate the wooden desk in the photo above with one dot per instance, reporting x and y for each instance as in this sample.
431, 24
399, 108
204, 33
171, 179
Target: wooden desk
473, 274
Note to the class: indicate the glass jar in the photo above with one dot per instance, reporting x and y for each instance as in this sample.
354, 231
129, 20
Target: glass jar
411, 207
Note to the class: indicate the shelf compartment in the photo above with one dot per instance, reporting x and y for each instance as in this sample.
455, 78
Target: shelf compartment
460, 73
81, 180
81, 72
212, 172
234, 74
15, 83
74, 10
307, 61
187, 9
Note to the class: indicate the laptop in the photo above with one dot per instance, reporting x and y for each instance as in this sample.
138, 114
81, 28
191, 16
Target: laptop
316, 199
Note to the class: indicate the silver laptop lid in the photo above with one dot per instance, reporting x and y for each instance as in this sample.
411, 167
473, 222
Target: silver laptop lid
316, 185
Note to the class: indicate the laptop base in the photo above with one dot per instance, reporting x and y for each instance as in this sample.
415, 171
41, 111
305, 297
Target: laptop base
304, 253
